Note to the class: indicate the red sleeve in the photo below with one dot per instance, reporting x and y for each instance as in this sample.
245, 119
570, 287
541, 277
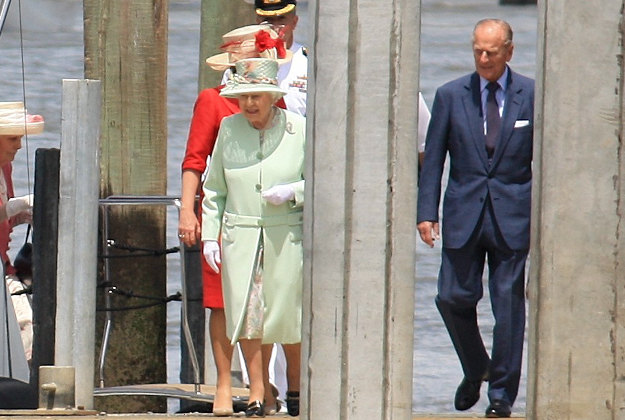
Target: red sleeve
5, 227
209, 110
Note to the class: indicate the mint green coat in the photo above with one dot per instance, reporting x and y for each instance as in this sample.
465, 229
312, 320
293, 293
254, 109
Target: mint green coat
240, 169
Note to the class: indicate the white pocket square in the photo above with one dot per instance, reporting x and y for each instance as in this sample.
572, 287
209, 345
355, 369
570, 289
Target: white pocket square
521, 123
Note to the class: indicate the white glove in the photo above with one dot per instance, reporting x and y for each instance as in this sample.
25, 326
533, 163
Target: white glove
212, 255
279, 194
17, 205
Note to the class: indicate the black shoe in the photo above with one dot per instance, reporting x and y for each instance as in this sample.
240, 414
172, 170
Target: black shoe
498, 408
468, 393
255, 409
292, 403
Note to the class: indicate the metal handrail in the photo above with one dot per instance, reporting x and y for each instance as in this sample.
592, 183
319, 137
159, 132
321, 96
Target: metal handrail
136, 200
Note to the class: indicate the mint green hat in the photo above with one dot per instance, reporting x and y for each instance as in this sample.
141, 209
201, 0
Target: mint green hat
253, 75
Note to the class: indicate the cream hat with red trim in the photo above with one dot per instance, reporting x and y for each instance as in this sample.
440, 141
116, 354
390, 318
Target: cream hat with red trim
15, 121
250, 41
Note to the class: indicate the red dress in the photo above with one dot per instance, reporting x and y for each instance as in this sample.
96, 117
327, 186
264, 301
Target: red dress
209, 110
6, 227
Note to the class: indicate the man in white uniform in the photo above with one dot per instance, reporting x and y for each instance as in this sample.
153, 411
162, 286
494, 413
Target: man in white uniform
292, 76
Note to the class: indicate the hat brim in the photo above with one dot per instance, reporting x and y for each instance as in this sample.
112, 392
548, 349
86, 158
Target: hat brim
221, 62
21, 129
286, 9
246, 88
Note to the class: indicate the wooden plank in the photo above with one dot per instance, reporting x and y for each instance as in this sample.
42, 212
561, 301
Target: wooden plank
85, 415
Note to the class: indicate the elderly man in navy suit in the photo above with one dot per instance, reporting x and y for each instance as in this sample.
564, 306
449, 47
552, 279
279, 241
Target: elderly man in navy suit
484, 121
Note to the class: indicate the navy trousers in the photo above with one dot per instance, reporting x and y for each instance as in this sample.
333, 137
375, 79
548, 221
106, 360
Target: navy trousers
460, 289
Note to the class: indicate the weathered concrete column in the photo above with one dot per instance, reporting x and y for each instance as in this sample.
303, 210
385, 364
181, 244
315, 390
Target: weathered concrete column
360, 209
577, 295
77, 257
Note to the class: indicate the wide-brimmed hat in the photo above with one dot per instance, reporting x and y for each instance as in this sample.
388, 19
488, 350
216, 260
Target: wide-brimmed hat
249, 42
253, 75
15, 121
274, 7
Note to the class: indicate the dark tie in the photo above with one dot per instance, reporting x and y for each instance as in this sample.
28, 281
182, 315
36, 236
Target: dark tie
493, 120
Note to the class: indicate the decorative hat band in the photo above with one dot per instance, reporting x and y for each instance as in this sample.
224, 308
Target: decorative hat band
253, 75
237, 79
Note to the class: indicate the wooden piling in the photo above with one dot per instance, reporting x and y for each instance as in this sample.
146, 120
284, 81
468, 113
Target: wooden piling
219, 17
45, 233
126, 48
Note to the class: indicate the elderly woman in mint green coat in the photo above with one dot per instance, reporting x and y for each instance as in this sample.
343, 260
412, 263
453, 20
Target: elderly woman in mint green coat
253, 198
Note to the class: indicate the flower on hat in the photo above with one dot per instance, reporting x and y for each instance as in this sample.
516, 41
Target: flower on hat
264, 42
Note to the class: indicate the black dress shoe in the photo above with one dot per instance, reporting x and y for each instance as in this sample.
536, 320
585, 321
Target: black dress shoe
497, 409
468, 393
292, 403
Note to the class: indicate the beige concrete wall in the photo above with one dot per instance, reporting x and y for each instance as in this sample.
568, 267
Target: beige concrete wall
360, 211
577, 266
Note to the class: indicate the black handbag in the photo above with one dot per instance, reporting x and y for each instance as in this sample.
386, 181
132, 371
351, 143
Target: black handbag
23, 262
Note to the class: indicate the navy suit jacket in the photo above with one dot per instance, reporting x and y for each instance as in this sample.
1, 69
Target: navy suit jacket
457, 127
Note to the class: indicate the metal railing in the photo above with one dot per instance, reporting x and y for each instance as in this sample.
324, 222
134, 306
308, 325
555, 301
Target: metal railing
138, 200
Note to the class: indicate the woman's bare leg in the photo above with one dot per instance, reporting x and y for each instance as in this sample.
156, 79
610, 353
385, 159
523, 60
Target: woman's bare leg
270, 399
222, 353
254, 361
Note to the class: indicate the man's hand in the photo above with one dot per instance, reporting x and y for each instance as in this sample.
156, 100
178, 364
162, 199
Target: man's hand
428, 232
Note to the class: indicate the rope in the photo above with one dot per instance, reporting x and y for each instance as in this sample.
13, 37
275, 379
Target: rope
136, 251
28, 290
158, 301
19, 8
142, 252
176, 297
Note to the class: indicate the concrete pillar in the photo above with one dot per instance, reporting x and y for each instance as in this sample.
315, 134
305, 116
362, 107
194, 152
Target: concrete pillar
577, 295
360, 209
77, 257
